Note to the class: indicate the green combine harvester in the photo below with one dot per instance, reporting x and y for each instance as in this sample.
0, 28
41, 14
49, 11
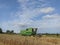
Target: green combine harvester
29, 31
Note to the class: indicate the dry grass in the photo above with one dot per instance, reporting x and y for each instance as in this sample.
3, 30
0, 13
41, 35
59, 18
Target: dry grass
6, 39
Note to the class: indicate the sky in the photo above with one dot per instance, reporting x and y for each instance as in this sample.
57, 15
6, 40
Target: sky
21, 14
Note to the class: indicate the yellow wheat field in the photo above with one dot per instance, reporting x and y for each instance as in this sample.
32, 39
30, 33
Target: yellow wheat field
6, 39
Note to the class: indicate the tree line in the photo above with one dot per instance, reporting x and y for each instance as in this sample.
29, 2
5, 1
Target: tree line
7, 31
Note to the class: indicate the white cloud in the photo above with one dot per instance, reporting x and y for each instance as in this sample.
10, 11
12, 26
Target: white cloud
31, 10
47, 10
53, 16
31, 4
50, 21
28, 14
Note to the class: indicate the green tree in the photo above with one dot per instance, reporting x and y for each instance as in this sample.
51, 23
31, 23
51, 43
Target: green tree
8, 31
1, 30
57, 34
12, 31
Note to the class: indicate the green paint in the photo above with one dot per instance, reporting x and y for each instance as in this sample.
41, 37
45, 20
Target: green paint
27, 32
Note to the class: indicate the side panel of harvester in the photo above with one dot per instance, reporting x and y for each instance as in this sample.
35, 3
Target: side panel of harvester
27, 31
